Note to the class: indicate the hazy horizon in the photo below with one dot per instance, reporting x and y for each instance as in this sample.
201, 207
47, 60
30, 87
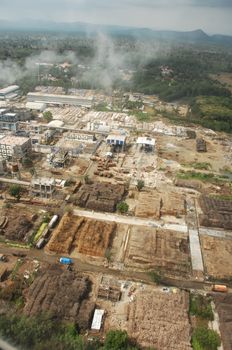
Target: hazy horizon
212, 16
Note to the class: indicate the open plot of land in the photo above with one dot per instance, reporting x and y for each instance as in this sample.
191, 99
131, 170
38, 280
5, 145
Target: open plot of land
216, 213
100, 196
154, 204
152, 317
217, 256
16, 223
184, 152
48, 293
159, 249
224, 308
160, 320
85, 236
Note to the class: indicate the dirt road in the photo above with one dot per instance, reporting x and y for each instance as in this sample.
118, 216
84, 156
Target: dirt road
81, 266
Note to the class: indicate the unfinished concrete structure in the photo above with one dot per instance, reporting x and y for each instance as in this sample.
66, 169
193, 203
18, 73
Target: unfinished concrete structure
15, 146
146, 143
43, 187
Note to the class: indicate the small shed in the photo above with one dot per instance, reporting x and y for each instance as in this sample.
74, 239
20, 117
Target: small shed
97, 319
147, 142
201, 145
116, 140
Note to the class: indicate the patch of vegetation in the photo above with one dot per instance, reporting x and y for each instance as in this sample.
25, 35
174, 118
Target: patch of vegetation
140, 185
213, 112
205, 339
44, 332
222, 197
155, 276
201, 306
48, 116
193, 175
199, 166
122, 207
16, 191
142, 116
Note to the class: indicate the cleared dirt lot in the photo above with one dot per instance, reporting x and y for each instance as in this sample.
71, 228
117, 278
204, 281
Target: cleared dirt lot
78, 234
148, 248
152, 317
217, 253
16, 223
154, 204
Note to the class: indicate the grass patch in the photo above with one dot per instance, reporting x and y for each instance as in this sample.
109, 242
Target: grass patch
199, 166
193, 175
205, 339
40, 231
201, 306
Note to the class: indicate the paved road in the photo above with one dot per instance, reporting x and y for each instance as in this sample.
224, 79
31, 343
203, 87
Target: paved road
129, 220
14, 181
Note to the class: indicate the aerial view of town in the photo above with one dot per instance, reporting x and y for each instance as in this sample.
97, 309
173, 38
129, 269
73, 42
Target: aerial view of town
115, 178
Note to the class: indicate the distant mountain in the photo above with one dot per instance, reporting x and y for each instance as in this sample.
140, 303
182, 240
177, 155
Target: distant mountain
196, 36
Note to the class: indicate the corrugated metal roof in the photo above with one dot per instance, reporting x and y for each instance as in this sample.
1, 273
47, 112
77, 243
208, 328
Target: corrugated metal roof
97, 319
146, 141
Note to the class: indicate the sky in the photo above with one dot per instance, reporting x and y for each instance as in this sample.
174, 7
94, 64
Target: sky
212, 16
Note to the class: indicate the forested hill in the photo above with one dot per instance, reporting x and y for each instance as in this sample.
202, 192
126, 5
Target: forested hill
196, 36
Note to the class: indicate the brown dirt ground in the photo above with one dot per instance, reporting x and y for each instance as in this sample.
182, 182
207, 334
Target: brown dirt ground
217, 253
48, 293
160, 320
154, 204
86, 236
19, 222
166, 250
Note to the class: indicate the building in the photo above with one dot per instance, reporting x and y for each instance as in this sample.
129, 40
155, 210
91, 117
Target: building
116, 140
201, 145
60, 99
3, 167
36, 106
10, 118
97, 320
9, 121
43, 187
9, 92
59, 159
15, 146
146, 143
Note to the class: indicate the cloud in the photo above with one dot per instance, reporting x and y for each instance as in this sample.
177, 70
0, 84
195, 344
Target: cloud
213, 16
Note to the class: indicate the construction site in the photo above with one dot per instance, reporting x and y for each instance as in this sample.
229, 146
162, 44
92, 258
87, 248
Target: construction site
100, 196
47, 291
143, 216
151, 316
217, 256
17, 225
76, 235
166, 251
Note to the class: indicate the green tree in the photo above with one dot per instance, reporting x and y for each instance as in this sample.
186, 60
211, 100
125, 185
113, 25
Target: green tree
48, 116
16, 191
122, 207
205, 339
155, 276
116, 340
27, 162
140, 185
